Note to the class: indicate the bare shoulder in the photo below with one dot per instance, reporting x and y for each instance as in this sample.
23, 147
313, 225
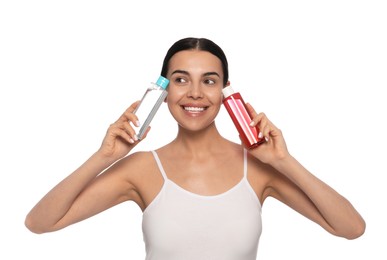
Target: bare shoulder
141, 171
135, 166
133, 163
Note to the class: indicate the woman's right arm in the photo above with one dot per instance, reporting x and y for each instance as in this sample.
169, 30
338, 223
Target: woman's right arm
86, 192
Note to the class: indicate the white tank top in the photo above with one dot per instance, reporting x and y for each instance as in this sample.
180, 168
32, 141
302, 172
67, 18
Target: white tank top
181, 225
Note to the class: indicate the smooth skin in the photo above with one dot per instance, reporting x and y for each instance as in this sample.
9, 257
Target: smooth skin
111, 176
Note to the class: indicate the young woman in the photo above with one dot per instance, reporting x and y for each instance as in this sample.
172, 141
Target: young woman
201, 194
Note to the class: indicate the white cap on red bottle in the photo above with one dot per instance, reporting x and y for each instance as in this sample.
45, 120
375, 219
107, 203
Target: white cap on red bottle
227, 91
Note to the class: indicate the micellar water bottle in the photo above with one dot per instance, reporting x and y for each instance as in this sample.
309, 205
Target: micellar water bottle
150, 103
236, 108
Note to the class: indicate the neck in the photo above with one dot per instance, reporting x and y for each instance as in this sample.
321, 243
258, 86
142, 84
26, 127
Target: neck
199, 143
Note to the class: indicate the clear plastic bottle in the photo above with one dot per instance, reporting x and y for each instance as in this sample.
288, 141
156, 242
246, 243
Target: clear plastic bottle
236, 108
150, 103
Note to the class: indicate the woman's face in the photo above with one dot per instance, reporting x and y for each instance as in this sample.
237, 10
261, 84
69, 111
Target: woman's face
195, 88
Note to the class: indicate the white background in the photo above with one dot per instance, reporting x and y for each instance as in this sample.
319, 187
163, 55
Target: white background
68, 69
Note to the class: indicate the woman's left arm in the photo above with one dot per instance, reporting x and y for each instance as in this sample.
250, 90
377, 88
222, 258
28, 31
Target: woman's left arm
300, 189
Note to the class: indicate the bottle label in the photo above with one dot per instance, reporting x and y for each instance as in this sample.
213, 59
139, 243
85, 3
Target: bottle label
148, 107
242, 119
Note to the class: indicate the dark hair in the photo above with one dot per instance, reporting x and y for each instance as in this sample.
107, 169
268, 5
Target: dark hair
201, 44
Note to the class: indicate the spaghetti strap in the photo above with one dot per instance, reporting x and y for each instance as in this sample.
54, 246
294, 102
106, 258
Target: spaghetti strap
159, 165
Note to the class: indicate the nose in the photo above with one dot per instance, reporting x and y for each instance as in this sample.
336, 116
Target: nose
195, 90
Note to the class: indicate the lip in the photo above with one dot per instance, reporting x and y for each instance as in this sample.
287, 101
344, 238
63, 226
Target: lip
194, 109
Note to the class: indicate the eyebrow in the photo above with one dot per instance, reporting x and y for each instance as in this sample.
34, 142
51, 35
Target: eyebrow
187, 73
211, 74
180, 71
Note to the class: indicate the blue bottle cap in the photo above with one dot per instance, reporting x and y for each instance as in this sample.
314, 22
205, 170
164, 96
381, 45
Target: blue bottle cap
162, 82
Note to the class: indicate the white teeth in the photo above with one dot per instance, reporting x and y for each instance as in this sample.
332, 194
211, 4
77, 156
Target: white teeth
194, 109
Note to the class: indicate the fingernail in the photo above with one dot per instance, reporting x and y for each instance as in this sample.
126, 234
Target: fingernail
260, 135
252, 123
137, 123
135, 137
131, 141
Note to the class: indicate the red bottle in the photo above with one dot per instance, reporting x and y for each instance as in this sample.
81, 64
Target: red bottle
236, 108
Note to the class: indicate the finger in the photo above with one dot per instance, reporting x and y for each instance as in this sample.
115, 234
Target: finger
251, 111
268, 129
256, 118
264, 132
259, 121
129, 130
129, 115
133, 106
124, 135
116, 131
264, 125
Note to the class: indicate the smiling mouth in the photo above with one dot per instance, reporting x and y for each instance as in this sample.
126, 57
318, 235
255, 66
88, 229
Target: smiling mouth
194, 109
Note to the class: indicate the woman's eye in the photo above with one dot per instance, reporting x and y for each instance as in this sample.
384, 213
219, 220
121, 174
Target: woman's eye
209, 82
180, 80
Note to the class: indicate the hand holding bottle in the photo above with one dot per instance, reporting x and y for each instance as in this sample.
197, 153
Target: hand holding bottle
236, 108
151, 101
121, 137
274, 149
